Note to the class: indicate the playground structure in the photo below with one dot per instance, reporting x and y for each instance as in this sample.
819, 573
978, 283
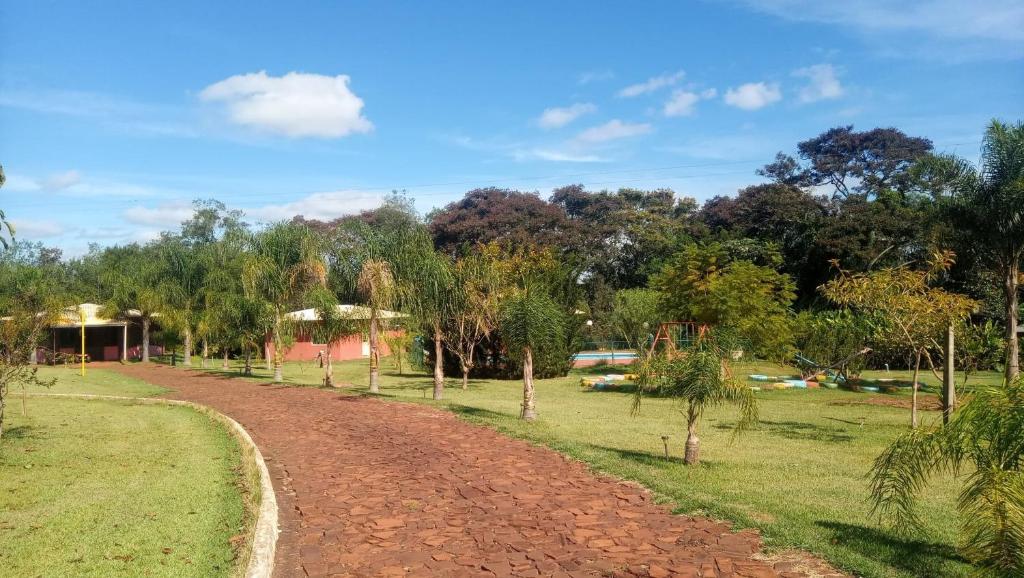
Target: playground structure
835, 372
676, 335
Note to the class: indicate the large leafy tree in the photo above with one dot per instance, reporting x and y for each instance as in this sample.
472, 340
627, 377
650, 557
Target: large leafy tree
283, 263
704, 283
913, 315
699, 380
492, 214
635, 316
983, 441
987, 204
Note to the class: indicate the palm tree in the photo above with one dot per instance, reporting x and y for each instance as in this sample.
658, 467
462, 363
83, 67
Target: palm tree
983, 440
701, 379
531, 325
376, 284
988, 204
184, 280
133, 282
284, 262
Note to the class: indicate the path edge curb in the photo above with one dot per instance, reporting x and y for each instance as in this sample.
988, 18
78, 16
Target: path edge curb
265, 530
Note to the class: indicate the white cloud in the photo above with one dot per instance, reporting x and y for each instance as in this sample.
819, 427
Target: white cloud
594, 76
59, 181
559, 117
323, 206
295, 105
822, 83
753, 95
651, 84
555, 155
683, 102
32, 229
989, 28
167, 215
612, 130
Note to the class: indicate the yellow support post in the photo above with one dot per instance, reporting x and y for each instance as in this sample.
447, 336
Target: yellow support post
81, 315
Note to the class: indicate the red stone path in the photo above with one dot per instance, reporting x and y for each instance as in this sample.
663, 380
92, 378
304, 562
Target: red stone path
374, 488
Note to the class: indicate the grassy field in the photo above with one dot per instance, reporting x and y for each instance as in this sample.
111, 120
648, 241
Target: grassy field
799, 476
109, 488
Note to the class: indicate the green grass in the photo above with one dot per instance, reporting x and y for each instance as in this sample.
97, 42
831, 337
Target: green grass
96, 381
116, 488
799, 476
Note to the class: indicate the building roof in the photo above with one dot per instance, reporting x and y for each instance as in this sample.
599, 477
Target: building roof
73, 316
357, 312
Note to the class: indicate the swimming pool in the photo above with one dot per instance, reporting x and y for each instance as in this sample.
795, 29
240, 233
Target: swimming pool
605, 355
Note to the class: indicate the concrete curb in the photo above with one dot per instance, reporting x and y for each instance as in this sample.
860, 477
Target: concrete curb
265, 531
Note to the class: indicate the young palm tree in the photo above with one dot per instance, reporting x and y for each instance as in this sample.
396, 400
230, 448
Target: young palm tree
376, 284
983, 440
531, 323
475, 309
183, 283
700, 379
284, 262
988, 204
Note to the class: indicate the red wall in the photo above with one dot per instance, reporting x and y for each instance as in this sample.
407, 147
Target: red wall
350, 347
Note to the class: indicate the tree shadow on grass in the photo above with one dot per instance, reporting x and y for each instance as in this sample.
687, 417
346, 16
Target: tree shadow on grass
796, 430
657, 458
22, 432
918, 556
624, 388
480, 413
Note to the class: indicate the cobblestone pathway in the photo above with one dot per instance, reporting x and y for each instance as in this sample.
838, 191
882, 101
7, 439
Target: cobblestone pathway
374, 488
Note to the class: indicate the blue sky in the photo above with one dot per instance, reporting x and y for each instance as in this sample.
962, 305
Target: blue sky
115, 115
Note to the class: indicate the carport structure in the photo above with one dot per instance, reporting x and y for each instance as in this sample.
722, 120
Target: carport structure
105, 339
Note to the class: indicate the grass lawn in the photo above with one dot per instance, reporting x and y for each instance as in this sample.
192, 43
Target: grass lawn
799, 476
111, 488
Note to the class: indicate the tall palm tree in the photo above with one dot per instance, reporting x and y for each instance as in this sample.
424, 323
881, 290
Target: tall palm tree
186, 269
984, 441
376, 285
283, 263
133, 282
531, 324
988, 204
700, 379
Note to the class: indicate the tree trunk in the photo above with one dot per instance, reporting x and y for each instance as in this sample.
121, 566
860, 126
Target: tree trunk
248, 362
692, 456
267, 357
465, 377
1012, 347
278, 371
374, 354
145, 339
186, 355
438, 364
206, 352
949, 377
3, 404
913, 399
529, 394
328, 369
224, 364
33, 356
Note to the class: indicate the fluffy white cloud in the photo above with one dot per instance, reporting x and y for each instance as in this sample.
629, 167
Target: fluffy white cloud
612, 130
295, 105
323, 206
682, 102
168, 215
753, 95
594, 76
651, 84
822, 83
559, 117
59, 181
